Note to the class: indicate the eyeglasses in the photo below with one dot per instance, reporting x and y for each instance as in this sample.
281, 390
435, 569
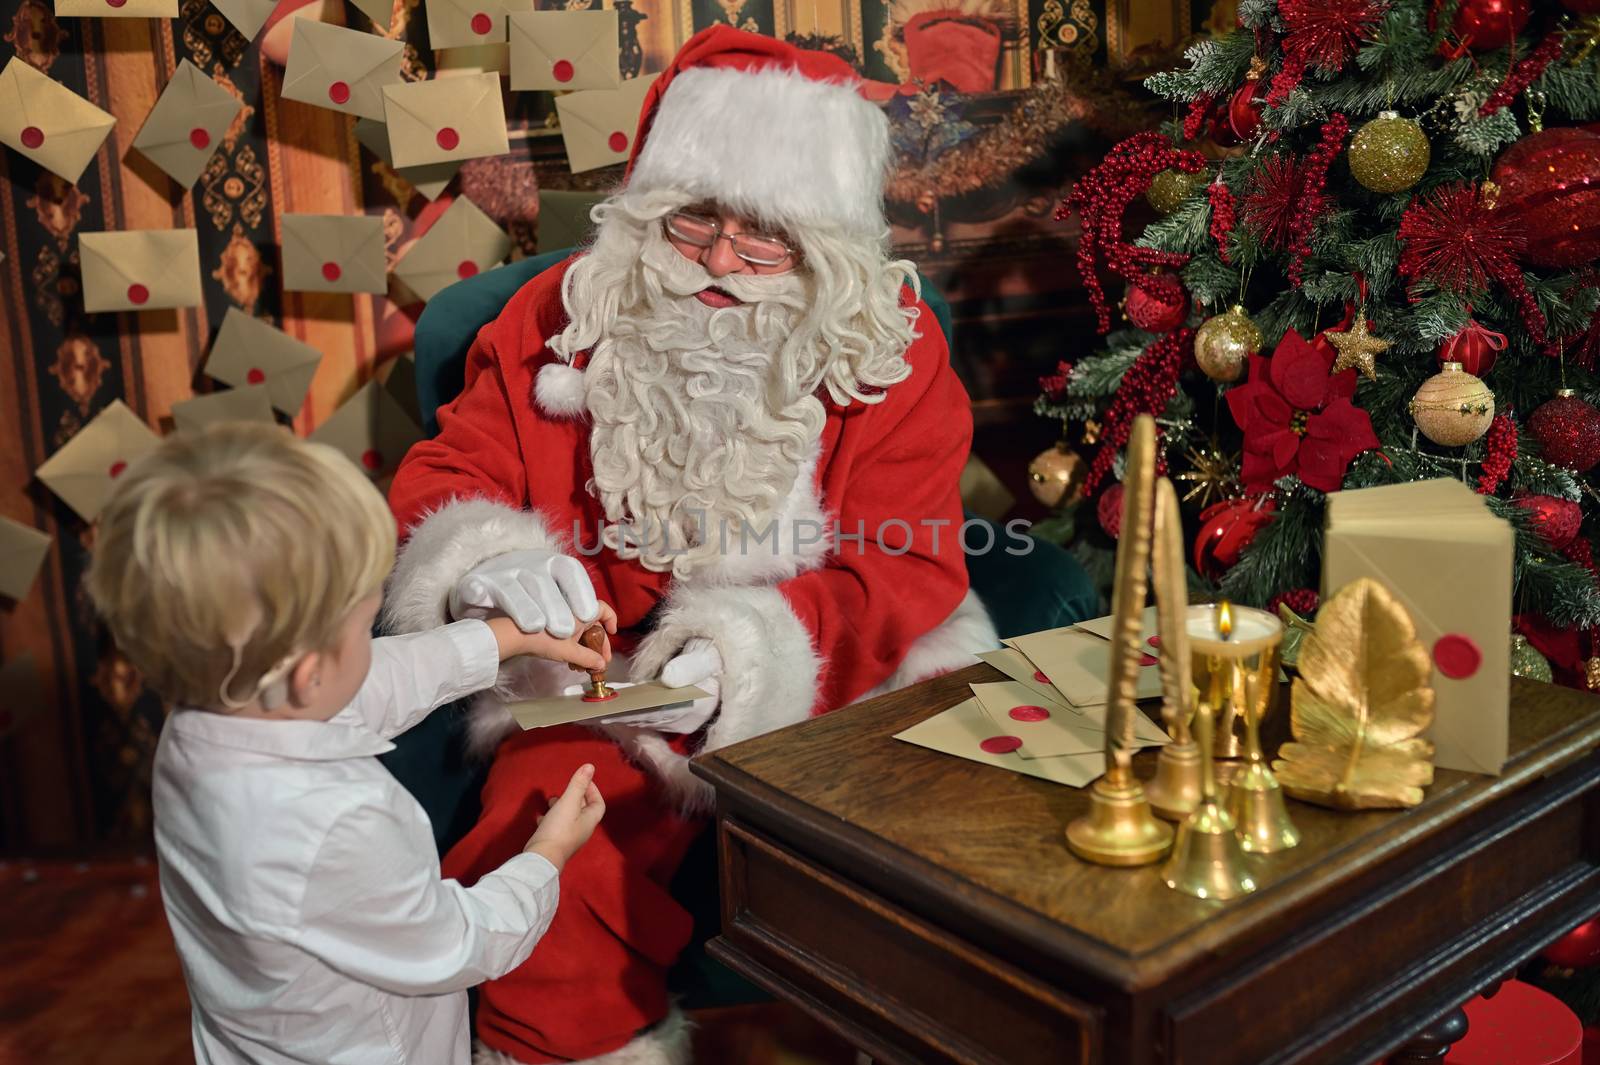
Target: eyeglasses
757, 249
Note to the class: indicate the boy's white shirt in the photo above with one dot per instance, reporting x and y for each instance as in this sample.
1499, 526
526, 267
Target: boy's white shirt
302, 883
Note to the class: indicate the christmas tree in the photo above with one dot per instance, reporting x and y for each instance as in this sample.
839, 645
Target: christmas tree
1376, 259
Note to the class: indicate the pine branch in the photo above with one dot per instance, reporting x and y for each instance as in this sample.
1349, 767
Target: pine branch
1285, 554
1184, 230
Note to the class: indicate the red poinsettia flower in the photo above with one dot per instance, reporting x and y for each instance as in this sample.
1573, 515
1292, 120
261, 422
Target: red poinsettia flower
1297, 417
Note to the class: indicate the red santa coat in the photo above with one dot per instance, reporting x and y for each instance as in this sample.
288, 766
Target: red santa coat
861, 583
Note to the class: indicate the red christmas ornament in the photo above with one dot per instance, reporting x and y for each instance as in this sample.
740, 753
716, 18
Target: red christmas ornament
1582, 7
1302, 601
1474, 347
1221, 132
1244, 110
1109, 510
1500, 451
1327, 33
1550, 186
1578, 949
1554, 518
1568, 431
1298, 419
1269, 207
1226, 529
1157, 304
1482, 25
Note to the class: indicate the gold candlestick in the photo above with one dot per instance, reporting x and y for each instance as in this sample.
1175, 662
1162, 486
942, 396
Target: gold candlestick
1207, 861
1255, 801
1175, 791
1119, 828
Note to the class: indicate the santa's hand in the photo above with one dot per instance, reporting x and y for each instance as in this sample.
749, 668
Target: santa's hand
673, 717
698, 664
538, 589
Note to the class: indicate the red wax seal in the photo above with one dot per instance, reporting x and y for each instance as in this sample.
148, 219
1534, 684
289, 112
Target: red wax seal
448, 138
32, 137
1148, 660
1029, 713
1040, 677
255, 376
116, 3
562, 70
1154, 641
1457, 656
200, 138
339, 92
618, 142
116, 468
1000, 744
599, 698
372, 459
466, 268
331, 272
482, 24
138, 294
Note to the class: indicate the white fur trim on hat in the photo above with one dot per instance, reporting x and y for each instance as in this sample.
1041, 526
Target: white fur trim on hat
558, 389
772, 144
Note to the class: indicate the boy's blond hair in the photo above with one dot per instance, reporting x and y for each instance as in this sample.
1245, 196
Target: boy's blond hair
225, 552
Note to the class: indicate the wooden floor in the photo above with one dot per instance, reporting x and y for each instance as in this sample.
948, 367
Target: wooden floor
88, 976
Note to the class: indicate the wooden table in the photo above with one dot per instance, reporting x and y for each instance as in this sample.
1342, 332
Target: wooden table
927, 908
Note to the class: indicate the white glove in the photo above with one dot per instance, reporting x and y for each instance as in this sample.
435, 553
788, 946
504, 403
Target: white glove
538, 589
698, 664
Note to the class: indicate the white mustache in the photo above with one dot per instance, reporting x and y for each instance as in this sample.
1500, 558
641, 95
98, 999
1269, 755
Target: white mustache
684, 277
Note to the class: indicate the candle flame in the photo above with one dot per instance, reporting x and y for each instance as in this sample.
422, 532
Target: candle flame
1225, 619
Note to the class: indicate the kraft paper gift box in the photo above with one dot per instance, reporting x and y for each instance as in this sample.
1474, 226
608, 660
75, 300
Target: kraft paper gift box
187, 124
463, 23
140, 269
22, 551
445, 120
45, 121
334, 253
248, 404
1447, 559
248, 351
564, 219
84, 470
561, 50
247, 16
116, 8
461, 243
371, 429
597, 125
340, 69
430, 181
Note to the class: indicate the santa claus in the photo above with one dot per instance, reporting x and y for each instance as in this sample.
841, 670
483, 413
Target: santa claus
731, 418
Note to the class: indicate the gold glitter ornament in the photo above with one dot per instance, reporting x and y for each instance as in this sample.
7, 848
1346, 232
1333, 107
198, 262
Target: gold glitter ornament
1056, 476
1453, 408
1359, 348
1170, 188
1389, 154
1527, 662
1224, 343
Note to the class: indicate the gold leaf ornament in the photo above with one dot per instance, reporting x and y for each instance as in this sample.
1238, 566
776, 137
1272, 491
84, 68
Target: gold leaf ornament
1361, 704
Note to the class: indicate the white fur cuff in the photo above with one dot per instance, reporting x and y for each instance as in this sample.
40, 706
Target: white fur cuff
952, 644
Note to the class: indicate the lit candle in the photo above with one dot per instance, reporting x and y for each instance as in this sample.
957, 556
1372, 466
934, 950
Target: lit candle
1223, 630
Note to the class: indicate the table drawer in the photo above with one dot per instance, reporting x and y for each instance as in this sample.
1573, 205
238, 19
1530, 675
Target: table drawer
899, 987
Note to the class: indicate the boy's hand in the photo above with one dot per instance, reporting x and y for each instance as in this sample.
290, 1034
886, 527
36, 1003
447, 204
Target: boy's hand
513, 642
571, 820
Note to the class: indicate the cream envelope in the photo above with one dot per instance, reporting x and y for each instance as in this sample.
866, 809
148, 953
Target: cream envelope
116, 8
47, 122
564, 709
22, 551
140, 269
251, 403
334, 253
371, 429
1455, 581
187, 124
1101, 627
564, 219
565, 50
597, 125
247, 16
430, 181
248, 351
461, 243
401, 383
445, 120
1014, 664
964, 729
85, 468
463, 23
1045, 727
1078, 664
340, 69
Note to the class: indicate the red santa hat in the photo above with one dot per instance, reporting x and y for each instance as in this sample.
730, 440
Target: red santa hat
766, 129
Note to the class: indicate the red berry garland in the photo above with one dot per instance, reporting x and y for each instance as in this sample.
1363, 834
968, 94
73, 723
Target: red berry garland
1054, 386
1500, 451
1199, 107
1524, 73
1147, 387
1302, 601
1222, 217
1311, 203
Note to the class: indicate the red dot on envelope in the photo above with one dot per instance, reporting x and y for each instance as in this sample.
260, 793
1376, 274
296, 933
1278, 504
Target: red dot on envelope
1148, 660
339, 92
138, 294
1154, 641
254, 376
482, 24
372, 459
1039, 676
116, 3
32, 137
618, 142
331, 272
1457, 656
200, 138
1000, 744
117, 468
466, 268
1029, 713
448, 138
562, 71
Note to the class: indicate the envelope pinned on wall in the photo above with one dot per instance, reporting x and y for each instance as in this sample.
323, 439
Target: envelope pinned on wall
45, 121
340, 69
249, 352
334, 253
84, 470
461, 243
430, 181
598, 125
445, 120
463, 23
251, 403
187, 124
247, 16
116, 8
22, 552
564, 219
561, 50
140, 269
371, 429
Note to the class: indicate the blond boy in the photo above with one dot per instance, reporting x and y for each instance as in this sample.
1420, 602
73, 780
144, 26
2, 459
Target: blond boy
241, 569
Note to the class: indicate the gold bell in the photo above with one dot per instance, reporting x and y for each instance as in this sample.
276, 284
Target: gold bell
1255, 801
1175, 791
1207, 861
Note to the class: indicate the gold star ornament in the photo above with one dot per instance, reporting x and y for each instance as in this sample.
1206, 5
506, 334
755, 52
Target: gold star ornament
1358, 348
